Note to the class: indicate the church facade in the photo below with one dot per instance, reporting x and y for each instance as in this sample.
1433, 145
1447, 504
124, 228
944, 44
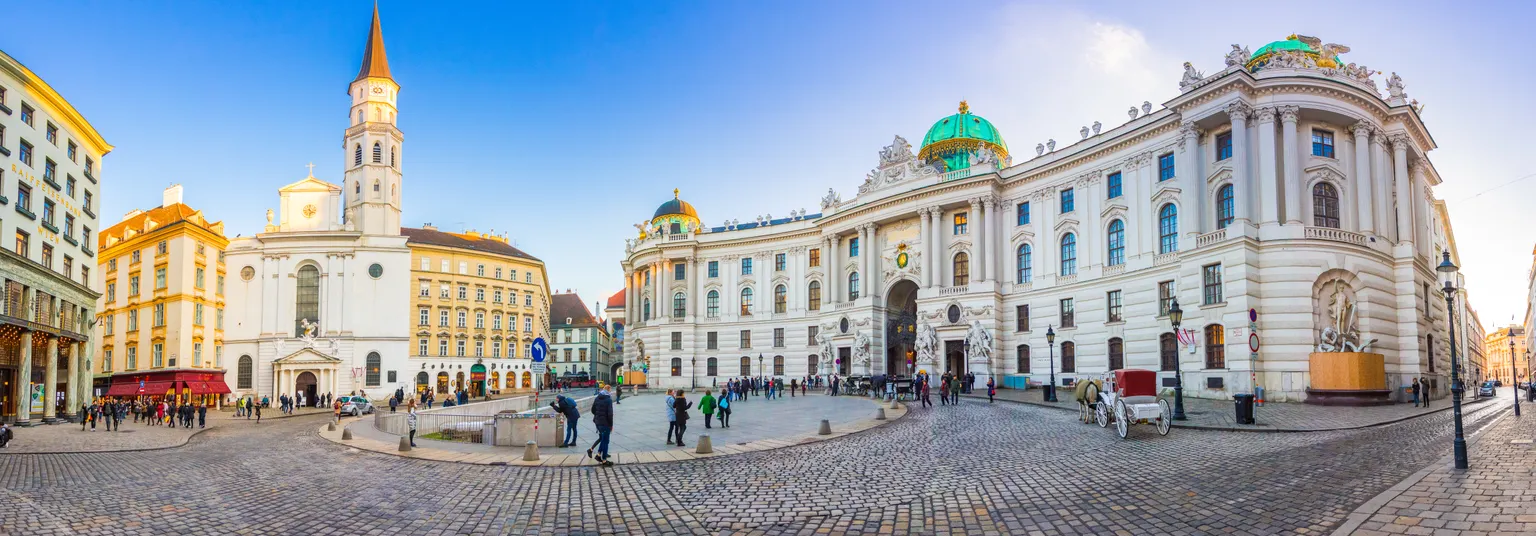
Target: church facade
1285, 200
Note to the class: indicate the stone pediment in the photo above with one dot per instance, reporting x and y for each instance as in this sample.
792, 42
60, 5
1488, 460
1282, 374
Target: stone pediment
307, 356
310, 184
1113, 211
1064, 223
1165, 195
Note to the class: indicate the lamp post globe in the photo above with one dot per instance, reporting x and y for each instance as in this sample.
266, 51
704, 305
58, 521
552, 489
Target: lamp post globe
1459, 443
1176, 317
1050, 342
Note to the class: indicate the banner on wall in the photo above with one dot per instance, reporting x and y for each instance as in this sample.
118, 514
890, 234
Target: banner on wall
37, 397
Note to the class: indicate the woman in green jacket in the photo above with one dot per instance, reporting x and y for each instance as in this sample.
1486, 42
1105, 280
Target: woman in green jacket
707, 407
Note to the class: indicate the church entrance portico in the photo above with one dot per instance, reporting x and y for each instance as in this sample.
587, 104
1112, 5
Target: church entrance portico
308, 372
305, 384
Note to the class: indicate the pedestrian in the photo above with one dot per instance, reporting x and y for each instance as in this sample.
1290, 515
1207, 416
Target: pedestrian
1427, 388
410, 422
85, 415
927, 397
567, 408
724, 405
707, 407
5, 435
954, 391
202, 415
794, 383
602, 417
681, 405
944, 390
258, 414
247, 403
671, 415
991, 390
1414, 388
119, 413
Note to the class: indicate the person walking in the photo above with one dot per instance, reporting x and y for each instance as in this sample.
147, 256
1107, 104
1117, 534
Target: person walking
410, 423
707, 407
602, 417
681, 405
954, 391
991, 390
671, 415
944, 390
257, 409
202, 415
724, 405
85, 415
927, 397
1428, 390
1414, 388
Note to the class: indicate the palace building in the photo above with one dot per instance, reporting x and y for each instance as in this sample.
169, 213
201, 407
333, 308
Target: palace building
161, 313
50, 173
1285, 199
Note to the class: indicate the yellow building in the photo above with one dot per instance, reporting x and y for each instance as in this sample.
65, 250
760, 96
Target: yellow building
479, 302
162, 304
1498, 349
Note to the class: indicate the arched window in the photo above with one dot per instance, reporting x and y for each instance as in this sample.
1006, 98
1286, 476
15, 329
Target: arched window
357, 187
746, 366
1026, 261
813, 295
244, 373
375, 186
679, 305
962, 269
1116, 353
1224, 214
778, 365
677, 366
394, 163
780, 299
371, 374
1068, 357
712, 367
811, 364
306, 299
1168, 229
1069, 254
647, 309
853, 286
746, 301
1023, 356
712, 304
1215, 346
1168, 351
1116, 243
378, 153
357, 149
1325, 205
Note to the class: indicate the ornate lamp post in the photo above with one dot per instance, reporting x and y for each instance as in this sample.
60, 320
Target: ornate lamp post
1175, 317
1050, 342
693, 374
1514, 373
1459, 444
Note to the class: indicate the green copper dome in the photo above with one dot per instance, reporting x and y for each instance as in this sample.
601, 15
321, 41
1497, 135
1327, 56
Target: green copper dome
954, 136
1291, 43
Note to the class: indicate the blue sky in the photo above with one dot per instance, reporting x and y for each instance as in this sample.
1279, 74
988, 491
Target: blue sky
565, 124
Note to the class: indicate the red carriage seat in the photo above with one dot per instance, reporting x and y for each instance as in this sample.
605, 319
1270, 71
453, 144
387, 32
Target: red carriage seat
1136, 386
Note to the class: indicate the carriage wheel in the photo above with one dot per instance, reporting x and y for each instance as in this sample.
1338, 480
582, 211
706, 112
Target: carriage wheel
1122, 419
1101, 414
1164, 418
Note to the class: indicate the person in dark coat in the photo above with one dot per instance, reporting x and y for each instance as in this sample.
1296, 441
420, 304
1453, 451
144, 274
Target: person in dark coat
202, 416
602, 417
681, 406
567, 408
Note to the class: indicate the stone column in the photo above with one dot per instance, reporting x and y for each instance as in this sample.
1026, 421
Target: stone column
658, 278
863, 263
50, 379
935, 262
975, 233
1381, 169
1269, 174
1045, 240
72, 381
1090, 226
22, 393
1242, 179
1192, 198
984, 239
1419, 170
834, 274
1404, 189
1291, 163
1364, 198
926, 238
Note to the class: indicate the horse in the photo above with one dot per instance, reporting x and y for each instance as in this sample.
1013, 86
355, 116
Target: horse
1086, 393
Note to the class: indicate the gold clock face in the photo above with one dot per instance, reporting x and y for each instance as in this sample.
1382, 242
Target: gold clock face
309, 211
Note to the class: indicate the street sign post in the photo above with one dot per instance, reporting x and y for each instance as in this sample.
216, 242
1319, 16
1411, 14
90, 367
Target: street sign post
537, 350
1253, 355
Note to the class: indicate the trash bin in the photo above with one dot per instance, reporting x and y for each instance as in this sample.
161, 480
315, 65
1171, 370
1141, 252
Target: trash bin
1244, 408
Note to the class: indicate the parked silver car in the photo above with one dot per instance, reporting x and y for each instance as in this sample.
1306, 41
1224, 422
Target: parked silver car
1486, 389
355, 405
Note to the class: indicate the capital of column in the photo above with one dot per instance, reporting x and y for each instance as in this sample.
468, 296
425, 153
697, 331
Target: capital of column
1362, 129
1265, 114
1400, 141
1238, 111
1289, 114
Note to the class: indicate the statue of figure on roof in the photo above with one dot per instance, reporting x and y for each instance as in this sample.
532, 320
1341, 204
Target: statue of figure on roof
1191, 76
1238, 57
1395, 87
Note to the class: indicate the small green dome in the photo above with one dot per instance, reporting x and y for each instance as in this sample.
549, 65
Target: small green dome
676, 211
1292, 43
957, 134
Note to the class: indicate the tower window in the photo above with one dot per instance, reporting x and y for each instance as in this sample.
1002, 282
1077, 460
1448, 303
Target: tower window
392, 156
357, 154
378, 153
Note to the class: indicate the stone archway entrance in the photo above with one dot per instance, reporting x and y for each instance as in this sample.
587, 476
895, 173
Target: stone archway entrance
422, 382
954, 357
306, 383
900, 328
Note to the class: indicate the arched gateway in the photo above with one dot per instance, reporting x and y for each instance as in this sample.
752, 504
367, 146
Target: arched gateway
901, 328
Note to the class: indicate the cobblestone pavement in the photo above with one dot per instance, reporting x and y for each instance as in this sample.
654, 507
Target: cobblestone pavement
975, 469
67, 437
1271, 417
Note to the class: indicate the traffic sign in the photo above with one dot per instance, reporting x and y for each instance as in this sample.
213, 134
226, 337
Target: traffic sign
1253, 315
1253, 342
538, 349
539, 367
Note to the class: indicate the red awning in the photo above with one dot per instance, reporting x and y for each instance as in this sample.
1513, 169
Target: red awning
123, 389
153, 388
208, 388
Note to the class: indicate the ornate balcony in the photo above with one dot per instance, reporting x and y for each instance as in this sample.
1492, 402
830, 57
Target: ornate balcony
1336, 235
1219, 235
1066, 279
953, 291
1165, 258
1114, 269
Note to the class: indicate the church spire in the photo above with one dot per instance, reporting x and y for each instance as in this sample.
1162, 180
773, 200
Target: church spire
375, 64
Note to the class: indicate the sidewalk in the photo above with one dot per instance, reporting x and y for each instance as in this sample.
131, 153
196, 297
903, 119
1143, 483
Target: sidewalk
1494, 495
1207, 414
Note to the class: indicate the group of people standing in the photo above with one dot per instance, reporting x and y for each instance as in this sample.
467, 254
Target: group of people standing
111, 412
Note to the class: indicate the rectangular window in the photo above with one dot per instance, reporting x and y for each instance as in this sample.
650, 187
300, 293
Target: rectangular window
1067, 204
25, 153
161, 248
426, 264
218, 285
779, 262
442, 318
498, 272
426, 290
746, 266
421, 346
459, 348
133, 320
159, 315
778, 337
746, 338
1021, 317
479, 270
1164, 167
463, 319
159, 354
23, 197
111, 292
677, 340
961, 222
1211, 279
712, 341
133, 285
496, 321
133, 358
528, 300
479, 319
496, 296
853, 247
1322, 143
527, 324
463, 268
199, 278
810, 335
495, 348
1223, 146
1068, 314
47, 258
1023, 213
679, 272
48, 211
463, 292
159, 278
443, 266
1113, 185
197, 314
442, 347
815, 257
1112, 302
528, 277
69, 185
86, 205
423, 315
106, 360
26, 114
1164, 297
480, 294
714, 269
51, 133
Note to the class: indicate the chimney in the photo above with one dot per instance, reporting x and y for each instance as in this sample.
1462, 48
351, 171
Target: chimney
428, 226
172, 196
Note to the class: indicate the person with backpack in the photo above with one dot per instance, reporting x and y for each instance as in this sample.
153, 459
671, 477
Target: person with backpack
567, 408
602, 417
724, 405
707, 407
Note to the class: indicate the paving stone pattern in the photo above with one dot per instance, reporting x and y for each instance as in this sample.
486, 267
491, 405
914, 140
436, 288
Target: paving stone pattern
975, 469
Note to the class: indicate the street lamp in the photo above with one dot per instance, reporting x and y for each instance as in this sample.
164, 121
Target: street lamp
1050, 342
1459, 444
1513, 372
693, 368
1175, 317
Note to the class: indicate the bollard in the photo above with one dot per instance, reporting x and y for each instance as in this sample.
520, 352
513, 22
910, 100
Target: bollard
826, 428
346, 434
405, 444
895, 404
330, 427
531, 452
880, 414
703, 446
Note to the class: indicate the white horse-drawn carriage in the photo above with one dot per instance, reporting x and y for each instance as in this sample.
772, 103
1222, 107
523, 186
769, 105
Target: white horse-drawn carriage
1129, 396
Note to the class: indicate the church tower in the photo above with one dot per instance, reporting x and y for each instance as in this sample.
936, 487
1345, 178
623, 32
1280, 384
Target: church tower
372, 144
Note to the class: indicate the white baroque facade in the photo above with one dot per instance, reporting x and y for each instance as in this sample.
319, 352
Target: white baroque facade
1285, 184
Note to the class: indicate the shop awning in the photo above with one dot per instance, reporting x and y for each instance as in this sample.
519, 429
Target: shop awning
153, 388
208, 388
123, 389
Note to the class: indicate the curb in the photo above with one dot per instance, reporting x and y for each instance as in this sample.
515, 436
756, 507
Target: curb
663, 456
1363, 513
1447, 407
